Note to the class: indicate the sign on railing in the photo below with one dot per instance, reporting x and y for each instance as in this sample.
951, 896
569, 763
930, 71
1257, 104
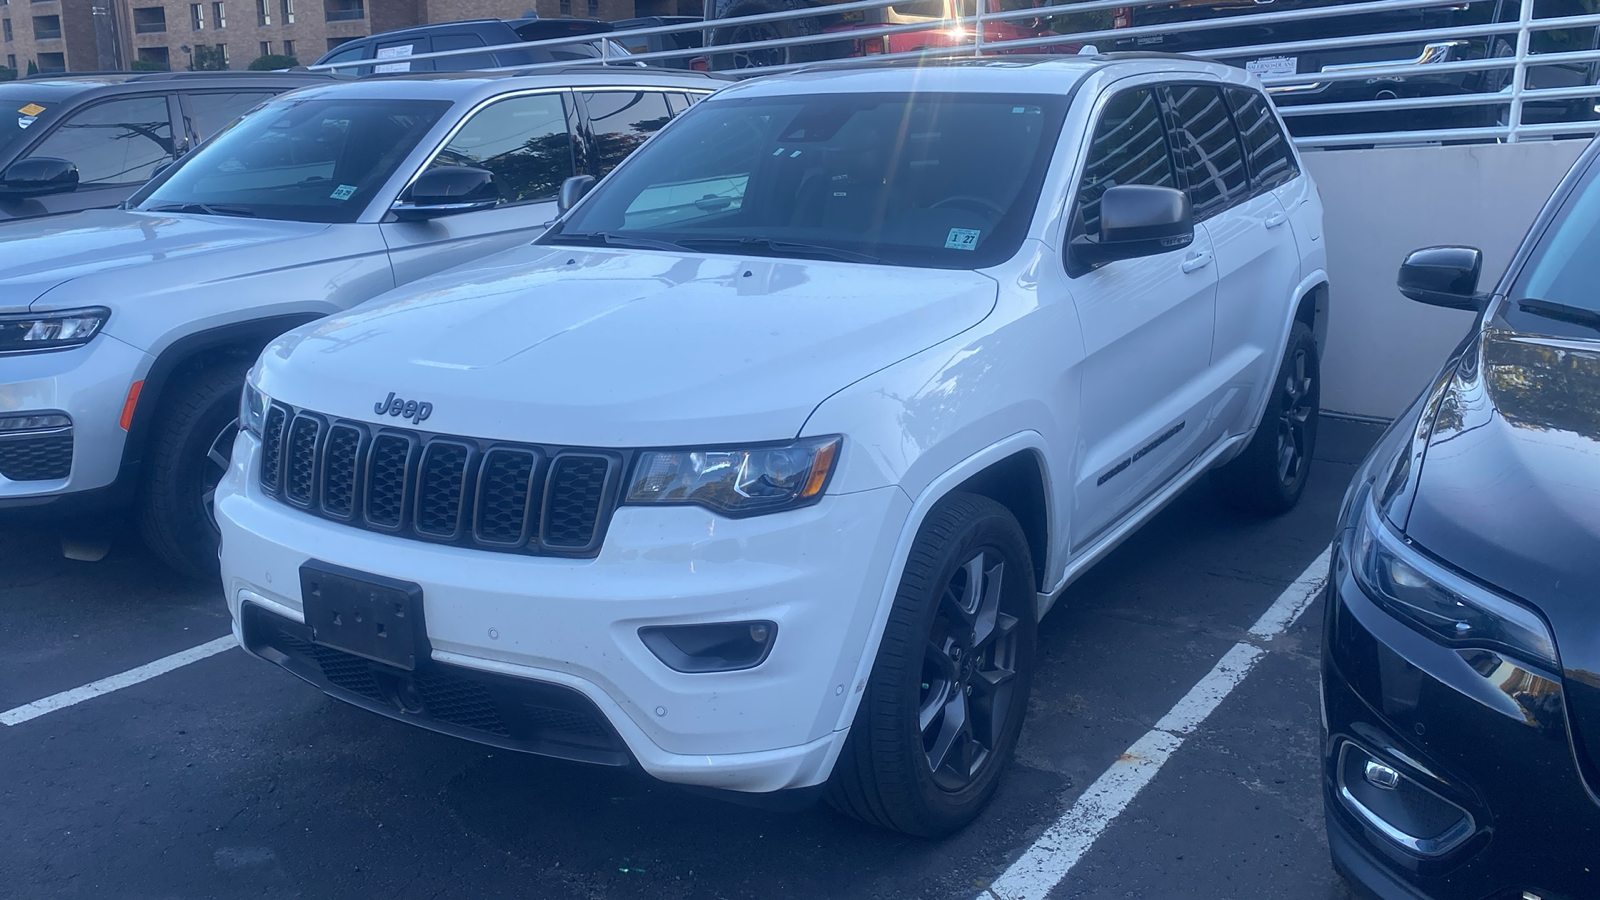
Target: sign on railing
1371, 73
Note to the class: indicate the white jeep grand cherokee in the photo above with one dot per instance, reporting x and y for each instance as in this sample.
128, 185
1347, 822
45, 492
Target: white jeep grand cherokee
759, 469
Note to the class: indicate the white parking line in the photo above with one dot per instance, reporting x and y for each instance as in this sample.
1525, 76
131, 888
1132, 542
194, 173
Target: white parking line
1044, 864
116, 682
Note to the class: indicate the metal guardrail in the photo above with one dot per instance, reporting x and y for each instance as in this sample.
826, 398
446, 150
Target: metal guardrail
1406, 87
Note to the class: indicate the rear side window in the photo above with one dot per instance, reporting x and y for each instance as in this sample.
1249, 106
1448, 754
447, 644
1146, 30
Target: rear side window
621, 121
1267, 148
466, 62
522, 140
1129, 147
1209, 149
209, 112
393, 56
117, 142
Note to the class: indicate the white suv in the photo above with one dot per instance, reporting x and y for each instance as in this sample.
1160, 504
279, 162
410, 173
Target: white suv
759, 468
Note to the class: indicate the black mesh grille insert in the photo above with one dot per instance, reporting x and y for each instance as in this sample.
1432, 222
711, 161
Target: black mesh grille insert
387, 471
577, 484
302, 459
505, 485
272, 447
43, 458
465, 491
339, 470
460, 702
442, 488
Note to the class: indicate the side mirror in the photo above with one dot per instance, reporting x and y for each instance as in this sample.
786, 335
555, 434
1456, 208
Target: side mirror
445, 191
573, 190
38, 176
1444, 276
1137, 220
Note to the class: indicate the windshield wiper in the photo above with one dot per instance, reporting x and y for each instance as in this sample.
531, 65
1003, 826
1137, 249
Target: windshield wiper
782, 248
210, 209
606, 239
1563, 312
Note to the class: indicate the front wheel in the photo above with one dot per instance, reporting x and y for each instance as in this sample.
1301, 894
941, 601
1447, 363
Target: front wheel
190, 446
948, 691
1270, 474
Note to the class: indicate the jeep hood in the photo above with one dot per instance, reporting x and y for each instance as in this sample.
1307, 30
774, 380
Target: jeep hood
605, 348
38, 255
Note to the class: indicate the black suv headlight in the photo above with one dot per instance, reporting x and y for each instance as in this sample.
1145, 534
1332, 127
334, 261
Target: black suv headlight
737, 481
31, 332
1441, 602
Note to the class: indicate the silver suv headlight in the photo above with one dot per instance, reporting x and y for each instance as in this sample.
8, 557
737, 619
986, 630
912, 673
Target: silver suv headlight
1442, 603
736, 481
32, 332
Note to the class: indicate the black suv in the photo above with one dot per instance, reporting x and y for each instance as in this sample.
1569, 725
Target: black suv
73, 142
1422, 53
390, 50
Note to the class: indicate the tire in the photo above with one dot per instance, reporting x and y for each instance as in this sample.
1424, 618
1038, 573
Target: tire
1269, 476
915, 708
190, 443
732, 31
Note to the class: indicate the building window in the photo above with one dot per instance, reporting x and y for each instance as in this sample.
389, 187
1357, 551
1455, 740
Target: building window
197, 16
263, 12
222, 51
149, 19
566, 7
266, 48
52, 62
288, 48
288, 12
155, 55
344, 10
46, 27
219, 15
8, 32
11, 61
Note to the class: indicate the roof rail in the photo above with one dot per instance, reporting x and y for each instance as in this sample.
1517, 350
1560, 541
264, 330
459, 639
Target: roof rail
631, 70
165, 76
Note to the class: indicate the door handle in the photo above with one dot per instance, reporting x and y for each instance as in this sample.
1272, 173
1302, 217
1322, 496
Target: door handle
1276, 219
1197, 261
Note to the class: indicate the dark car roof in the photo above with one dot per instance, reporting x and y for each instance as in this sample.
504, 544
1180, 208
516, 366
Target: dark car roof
526, 29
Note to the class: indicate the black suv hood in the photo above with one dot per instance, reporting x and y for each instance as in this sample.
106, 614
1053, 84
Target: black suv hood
1509, 490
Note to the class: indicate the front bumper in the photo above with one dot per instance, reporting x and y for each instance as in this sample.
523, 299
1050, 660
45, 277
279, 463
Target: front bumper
1470, 734
573, 624
89, 384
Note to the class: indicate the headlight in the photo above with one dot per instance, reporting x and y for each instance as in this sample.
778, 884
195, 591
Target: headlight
740, 481
50, 331
1442, 603
252, 409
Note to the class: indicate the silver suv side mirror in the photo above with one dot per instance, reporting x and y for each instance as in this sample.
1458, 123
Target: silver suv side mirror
1137, 220
445, 191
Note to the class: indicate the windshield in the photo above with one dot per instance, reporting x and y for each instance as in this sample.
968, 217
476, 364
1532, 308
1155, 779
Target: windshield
940, 180
20, 109
1562, 276
313, 160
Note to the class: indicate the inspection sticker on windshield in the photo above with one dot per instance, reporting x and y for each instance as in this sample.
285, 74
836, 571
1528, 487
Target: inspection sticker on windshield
961, 239
344, 192
32, 109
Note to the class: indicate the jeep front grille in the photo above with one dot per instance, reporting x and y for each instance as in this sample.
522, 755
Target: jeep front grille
517, 498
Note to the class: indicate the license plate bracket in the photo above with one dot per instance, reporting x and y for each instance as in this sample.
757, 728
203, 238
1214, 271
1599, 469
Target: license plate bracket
370, 616
1273, 65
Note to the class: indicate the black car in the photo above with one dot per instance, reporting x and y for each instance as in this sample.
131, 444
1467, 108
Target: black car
1461, 651
660, 43
74, 142
390, 51
1247, 29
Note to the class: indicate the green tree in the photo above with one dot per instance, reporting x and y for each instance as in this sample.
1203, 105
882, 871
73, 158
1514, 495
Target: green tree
273, 61
8, 74
33, 67
208, 59
146, 65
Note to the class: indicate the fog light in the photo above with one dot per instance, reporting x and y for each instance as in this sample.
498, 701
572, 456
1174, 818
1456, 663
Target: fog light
1399, 807
34, 422
718, 647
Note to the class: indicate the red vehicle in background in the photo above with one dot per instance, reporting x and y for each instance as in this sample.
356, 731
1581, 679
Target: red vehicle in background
939, 16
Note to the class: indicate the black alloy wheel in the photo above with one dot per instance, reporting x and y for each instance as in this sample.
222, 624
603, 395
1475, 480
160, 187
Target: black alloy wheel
1294, 416
1270, 473
218, 457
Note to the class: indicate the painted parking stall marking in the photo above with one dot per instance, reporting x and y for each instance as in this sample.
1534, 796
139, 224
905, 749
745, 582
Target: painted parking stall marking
116, 682
1048, 860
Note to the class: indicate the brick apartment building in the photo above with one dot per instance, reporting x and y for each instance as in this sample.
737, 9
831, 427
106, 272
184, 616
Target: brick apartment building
107, 35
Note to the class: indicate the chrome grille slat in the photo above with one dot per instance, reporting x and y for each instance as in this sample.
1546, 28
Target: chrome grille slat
438, 488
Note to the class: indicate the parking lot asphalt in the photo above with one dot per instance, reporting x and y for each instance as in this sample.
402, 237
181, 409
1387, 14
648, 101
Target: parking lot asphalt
230, 778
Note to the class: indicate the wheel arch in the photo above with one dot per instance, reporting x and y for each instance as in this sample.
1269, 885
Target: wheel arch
232, 342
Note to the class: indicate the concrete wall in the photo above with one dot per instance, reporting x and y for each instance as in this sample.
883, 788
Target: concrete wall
1380, 205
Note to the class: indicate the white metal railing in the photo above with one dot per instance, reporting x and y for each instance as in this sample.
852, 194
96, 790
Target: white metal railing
1486, 95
